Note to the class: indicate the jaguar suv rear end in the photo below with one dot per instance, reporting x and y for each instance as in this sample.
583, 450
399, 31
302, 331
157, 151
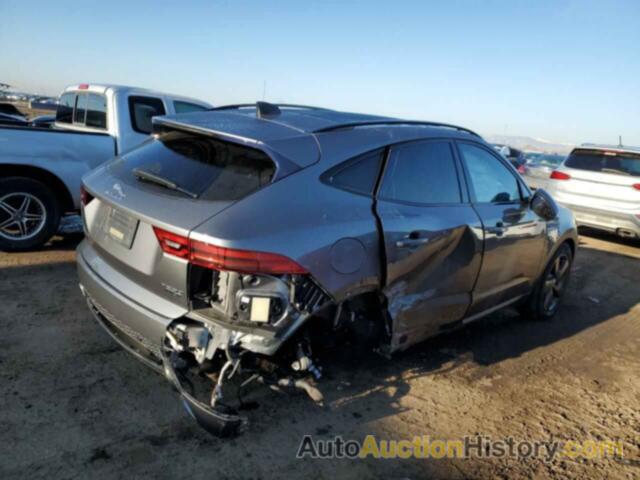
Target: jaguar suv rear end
239, 243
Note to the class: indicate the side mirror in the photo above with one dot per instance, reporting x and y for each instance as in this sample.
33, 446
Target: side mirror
544, 205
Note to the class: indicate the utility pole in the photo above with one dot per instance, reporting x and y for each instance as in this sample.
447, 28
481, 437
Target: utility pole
619, 140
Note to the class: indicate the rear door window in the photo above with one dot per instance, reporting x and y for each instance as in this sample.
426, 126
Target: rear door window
64, 112
491, 180
358, 175
142, 110
421, 173
81, 108
186, 107
620, 163
209, 168
96, 111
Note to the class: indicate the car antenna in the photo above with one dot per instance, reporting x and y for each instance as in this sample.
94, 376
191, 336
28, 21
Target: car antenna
266, 109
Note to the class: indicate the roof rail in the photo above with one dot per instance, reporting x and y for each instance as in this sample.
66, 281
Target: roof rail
368, 123
255, 105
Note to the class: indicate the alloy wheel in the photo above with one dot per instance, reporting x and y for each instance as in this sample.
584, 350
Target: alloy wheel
22, 216
555, 283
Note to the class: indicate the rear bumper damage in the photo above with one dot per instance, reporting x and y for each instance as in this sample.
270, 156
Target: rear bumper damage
202, 358
215, 422
165, 362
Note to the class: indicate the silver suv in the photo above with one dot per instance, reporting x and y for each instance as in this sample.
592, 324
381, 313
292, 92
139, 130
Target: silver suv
241, 243
601, 185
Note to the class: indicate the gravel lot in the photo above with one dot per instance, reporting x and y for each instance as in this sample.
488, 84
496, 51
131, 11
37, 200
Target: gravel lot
74, 405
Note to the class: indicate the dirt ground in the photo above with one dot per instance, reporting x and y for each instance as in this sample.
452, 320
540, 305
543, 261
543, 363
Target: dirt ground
75, 405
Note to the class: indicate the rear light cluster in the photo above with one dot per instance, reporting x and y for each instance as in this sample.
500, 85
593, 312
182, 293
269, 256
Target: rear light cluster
85, 197
220, 258
556, 175
636, 186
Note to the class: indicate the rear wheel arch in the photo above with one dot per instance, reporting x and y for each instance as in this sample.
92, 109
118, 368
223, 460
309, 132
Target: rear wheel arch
65, 199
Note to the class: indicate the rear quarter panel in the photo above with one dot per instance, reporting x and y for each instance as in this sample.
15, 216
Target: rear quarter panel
331, 232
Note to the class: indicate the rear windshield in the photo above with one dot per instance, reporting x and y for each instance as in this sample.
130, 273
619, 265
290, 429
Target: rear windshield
605, 162
209, 168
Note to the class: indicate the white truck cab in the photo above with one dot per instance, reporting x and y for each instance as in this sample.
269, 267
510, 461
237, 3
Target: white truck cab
124, 113
41, 168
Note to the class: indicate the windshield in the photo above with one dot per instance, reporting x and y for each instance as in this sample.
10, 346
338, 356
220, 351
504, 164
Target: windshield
211, 169
605, 162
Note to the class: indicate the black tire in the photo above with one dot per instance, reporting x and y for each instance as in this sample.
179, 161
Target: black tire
24, 230
552, 283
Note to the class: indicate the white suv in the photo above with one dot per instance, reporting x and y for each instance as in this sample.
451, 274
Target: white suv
601, 184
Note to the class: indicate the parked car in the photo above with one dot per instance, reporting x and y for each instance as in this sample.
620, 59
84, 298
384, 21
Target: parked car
246, 239
43, 121
41, 168
515, 156
537, 169
601, 185
15, 120
10, 109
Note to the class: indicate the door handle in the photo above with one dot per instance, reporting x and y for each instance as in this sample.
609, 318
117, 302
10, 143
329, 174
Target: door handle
412, 240
498, 230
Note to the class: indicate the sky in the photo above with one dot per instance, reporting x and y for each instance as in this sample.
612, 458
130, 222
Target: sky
564, 71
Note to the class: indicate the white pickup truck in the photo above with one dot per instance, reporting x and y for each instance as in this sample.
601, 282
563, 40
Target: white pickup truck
41, 168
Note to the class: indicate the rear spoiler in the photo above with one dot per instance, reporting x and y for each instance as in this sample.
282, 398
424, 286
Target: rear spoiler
290, 148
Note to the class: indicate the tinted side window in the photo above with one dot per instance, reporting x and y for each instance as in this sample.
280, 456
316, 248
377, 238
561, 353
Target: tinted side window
185, 107
142, 110
64, 112
96, 111
421, 173
491, 181
81, 108
358, 175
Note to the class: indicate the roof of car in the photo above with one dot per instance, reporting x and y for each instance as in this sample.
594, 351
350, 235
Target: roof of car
608, 148
263, 122
299, 133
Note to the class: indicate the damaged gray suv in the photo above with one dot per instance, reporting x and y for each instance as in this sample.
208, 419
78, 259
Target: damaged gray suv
238, 243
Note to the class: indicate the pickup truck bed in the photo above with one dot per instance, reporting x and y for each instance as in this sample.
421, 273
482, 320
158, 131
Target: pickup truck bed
70, 153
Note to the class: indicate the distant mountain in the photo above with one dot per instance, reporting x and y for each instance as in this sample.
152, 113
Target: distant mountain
530, 143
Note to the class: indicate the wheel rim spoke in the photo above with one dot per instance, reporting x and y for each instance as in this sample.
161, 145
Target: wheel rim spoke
7, 223
22, 227
8, 208
548, 298
32, 217
563, 269
26, 203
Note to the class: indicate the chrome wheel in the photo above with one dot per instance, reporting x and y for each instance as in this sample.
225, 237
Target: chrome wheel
554, 283
22, 216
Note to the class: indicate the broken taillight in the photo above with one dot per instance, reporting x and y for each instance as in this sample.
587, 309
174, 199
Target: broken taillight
85, 197
221, 258
172, 243
556, 175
